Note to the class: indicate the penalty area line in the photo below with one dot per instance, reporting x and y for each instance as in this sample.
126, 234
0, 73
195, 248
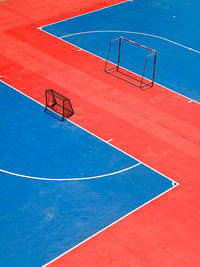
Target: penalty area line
70, 179
131, 32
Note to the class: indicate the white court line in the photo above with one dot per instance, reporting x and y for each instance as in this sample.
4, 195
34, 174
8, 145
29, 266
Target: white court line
125, 68
71, 179
174, 184
76, 16
109, 140
120, 219
93, 134
190, 101
130, 32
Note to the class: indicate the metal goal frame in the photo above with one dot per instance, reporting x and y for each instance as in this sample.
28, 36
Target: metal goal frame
58, 103
114, 70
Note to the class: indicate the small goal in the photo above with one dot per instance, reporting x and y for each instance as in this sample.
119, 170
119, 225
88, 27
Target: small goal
58, 103
132, 62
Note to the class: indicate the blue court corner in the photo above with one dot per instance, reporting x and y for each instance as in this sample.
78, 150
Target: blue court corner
150, 24
41, 216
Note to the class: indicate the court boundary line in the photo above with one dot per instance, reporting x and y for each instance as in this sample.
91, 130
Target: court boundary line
92, 134
174, 184
88, 13
71, 179
184, 96
109, 226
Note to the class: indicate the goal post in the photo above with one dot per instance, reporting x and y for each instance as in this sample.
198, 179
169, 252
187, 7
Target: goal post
58, 103
115, 66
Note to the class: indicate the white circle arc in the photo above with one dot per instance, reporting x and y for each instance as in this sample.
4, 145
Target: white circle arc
70, 179
130, 32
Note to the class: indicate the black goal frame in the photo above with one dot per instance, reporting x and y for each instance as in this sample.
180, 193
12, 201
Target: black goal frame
66, 109
114, 70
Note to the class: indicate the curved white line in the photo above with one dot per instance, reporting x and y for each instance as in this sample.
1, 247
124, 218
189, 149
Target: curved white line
139, 33
70, 179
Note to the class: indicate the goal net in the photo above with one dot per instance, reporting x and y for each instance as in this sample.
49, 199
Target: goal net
132, 62
58, 103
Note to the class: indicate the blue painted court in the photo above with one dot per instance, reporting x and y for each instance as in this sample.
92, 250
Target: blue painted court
178, 54
60, 184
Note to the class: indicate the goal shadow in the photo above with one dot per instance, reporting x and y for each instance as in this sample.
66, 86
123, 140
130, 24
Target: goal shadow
54, 114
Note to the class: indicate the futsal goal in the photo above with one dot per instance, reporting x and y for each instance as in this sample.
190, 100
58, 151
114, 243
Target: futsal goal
58, 103
132, 62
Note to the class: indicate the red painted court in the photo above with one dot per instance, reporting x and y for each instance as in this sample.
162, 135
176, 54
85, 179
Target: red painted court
158, 126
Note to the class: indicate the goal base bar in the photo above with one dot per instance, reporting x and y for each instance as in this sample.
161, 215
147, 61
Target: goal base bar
126, 76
